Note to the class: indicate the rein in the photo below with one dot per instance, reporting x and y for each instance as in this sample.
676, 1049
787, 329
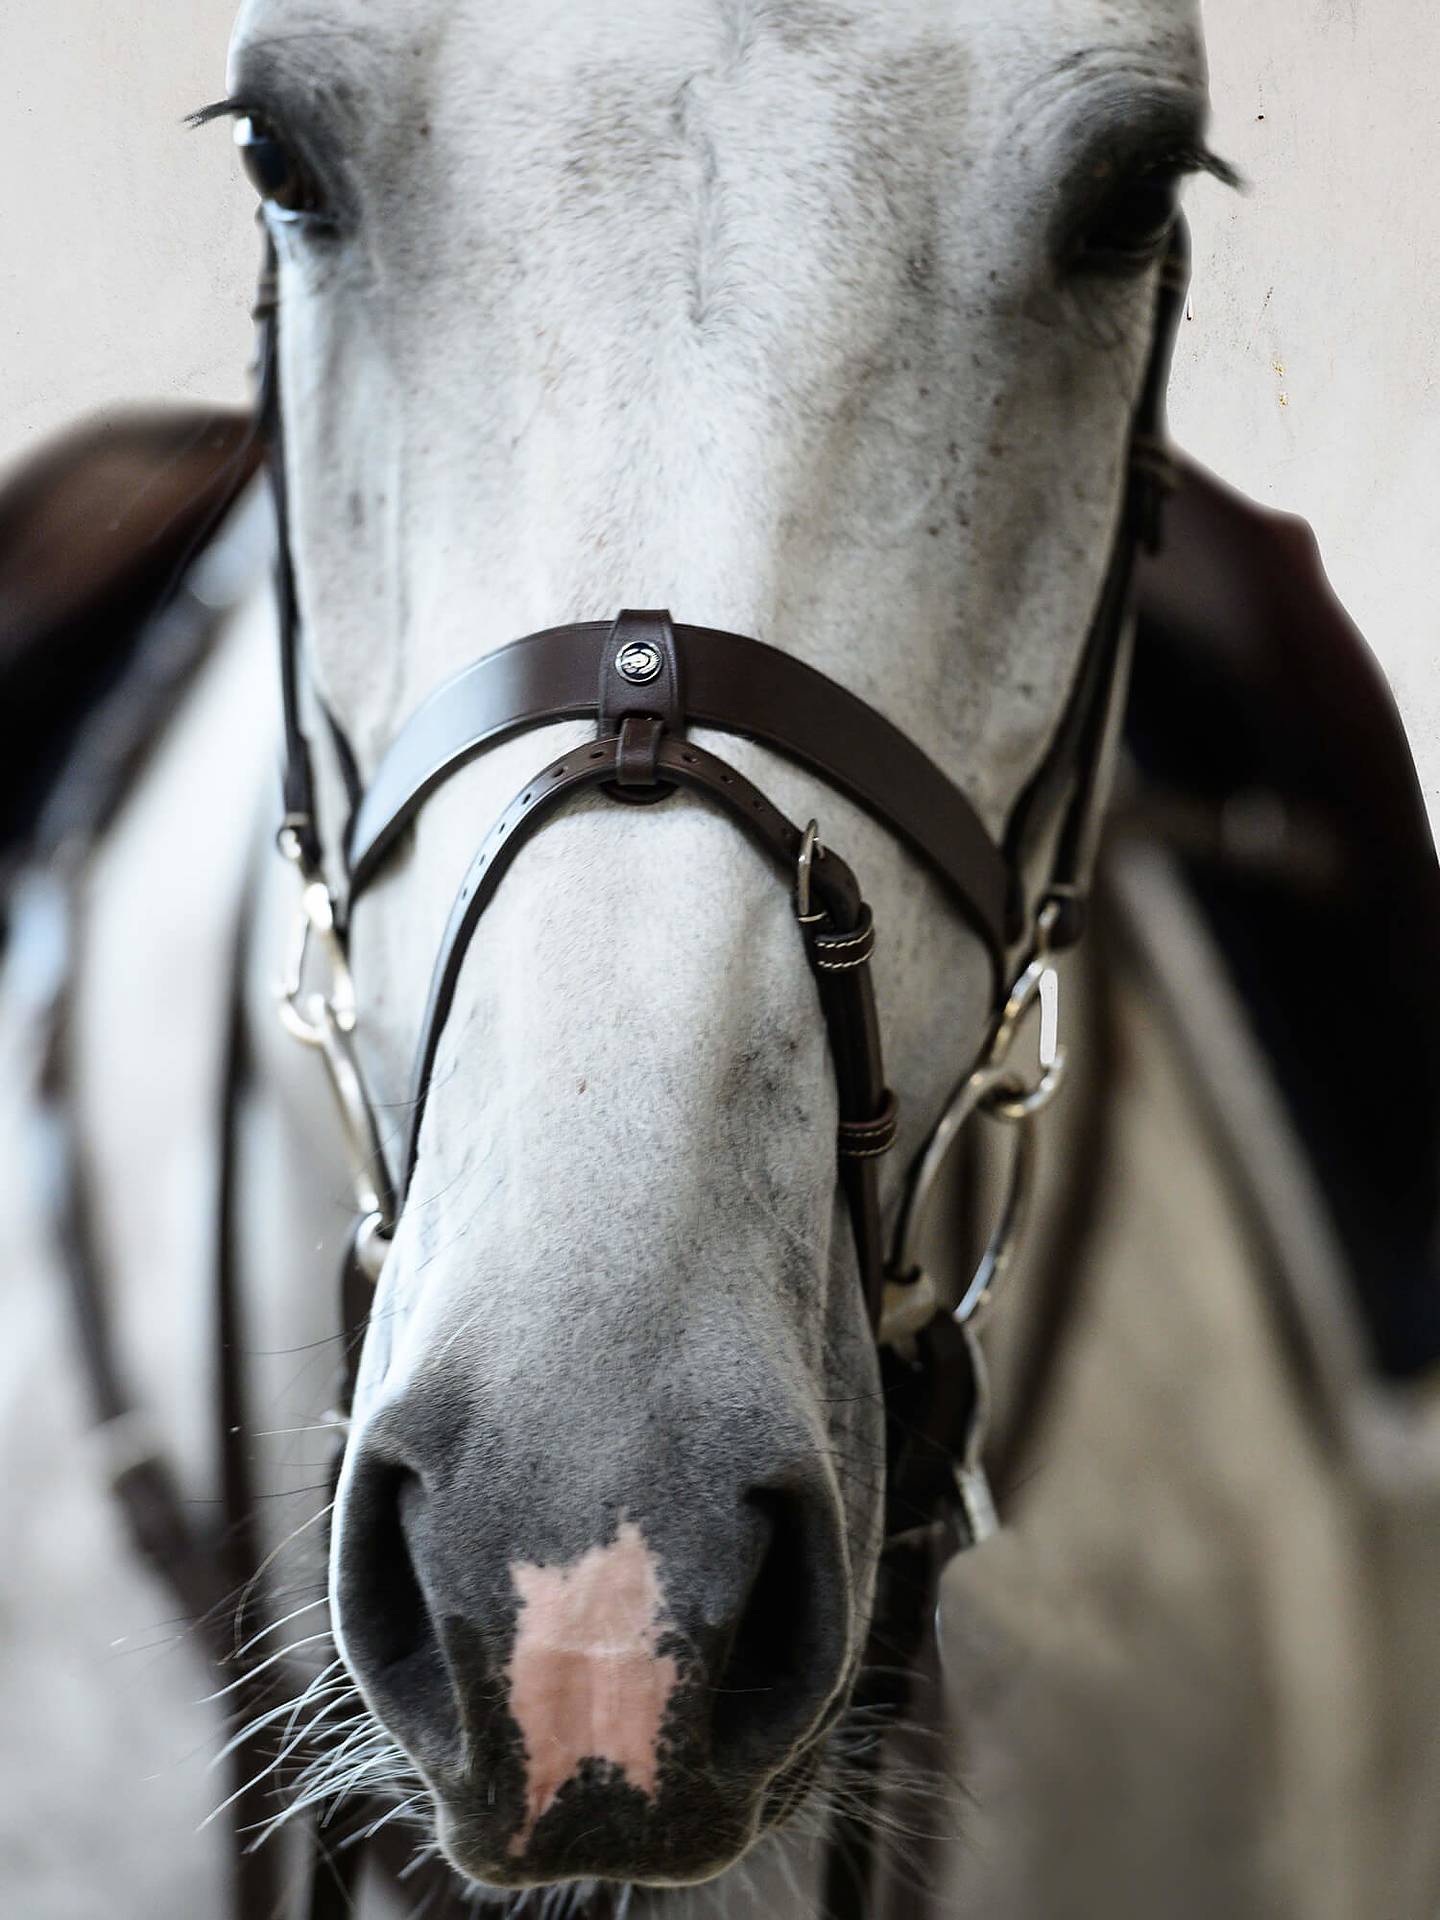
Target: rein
645, 681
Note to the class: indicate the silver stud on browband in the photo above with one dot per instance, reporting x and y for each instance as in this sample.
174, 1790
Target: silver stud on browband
639, 662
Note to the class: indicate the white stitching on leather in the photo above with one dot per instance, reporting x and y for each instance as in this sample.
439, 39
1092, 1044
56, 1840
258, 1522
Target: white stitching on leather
850, 940
846, 966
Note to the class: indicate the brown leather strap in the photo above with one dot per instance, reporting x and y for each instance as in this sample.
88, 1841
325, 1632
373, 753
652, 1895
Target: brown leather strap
838, 949
838, 938
297, 772
730, 682
593, 764
1064, 803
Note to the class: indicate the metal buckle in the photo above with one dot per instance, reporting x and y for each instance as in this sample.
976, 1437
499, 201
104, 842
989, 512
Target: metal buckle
810, 851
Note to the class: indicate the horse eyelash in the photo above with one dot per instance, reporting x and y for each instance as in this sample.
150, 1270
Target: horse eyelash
233, 108
1195, 159
1203, 159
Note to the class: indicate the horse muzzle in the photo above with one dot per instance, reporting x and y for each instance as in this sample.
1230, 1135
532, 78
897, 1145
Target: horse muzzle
627, 1683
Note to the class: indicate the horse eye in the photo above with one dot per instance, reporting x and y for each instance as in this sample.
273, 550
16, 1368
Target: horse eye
1132, 222
277, 174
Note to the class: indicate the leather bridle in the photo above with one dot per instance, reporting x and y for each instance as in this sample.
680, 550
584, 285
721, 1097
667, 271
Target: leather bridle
645, 682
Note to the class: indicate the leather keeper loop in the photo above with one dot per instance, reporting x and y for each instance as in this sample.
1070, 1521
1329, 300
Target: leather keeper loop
640, 674
871, 1139
636, 763
847, 952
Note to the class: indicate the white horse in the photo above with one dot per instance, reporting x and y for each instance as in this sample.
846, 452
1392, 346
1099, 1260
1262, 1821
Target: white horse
826, 324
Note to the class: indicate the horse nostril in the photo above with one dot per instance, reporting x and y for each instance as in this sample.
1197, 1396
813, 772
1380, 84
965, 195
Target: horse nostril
391, 1623
389, 1636
765, 1694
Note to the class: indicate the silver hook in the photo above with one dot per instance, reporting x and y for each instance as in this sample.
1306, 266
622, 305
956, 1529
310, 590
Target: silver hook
996, 1089
810, 851
316, 924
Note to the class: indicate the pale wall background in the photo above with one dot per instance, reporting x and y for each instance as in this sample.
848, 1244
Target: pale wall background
1309, 374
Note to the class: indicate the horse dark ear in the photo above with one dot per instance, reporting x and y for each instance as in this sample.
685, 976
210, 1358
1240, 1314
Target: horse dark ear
1265, 733
95, 533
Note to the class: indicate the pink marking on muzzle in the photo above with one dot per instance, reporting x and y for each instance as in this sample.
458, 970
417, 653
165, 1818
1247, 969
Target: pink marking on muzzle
587, 1681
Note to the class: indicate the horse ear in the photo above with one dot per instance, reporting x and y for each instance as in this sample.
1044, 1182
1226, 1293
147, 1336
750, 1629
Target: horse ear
96, 531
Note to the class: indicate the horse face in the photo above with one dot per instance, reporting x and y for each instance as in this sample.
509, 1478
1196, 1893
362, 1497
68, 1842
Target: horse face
818, 323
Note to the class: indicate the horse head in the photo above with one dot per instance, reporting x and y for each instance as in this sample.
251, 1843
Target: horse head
820, 323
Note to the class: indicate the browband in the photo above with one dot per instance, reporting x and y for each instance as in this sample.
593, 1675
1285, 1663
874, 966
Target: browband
731, 683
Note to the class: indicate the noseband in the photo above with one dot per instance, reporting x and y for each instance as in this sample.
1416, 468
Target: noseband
645, 682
